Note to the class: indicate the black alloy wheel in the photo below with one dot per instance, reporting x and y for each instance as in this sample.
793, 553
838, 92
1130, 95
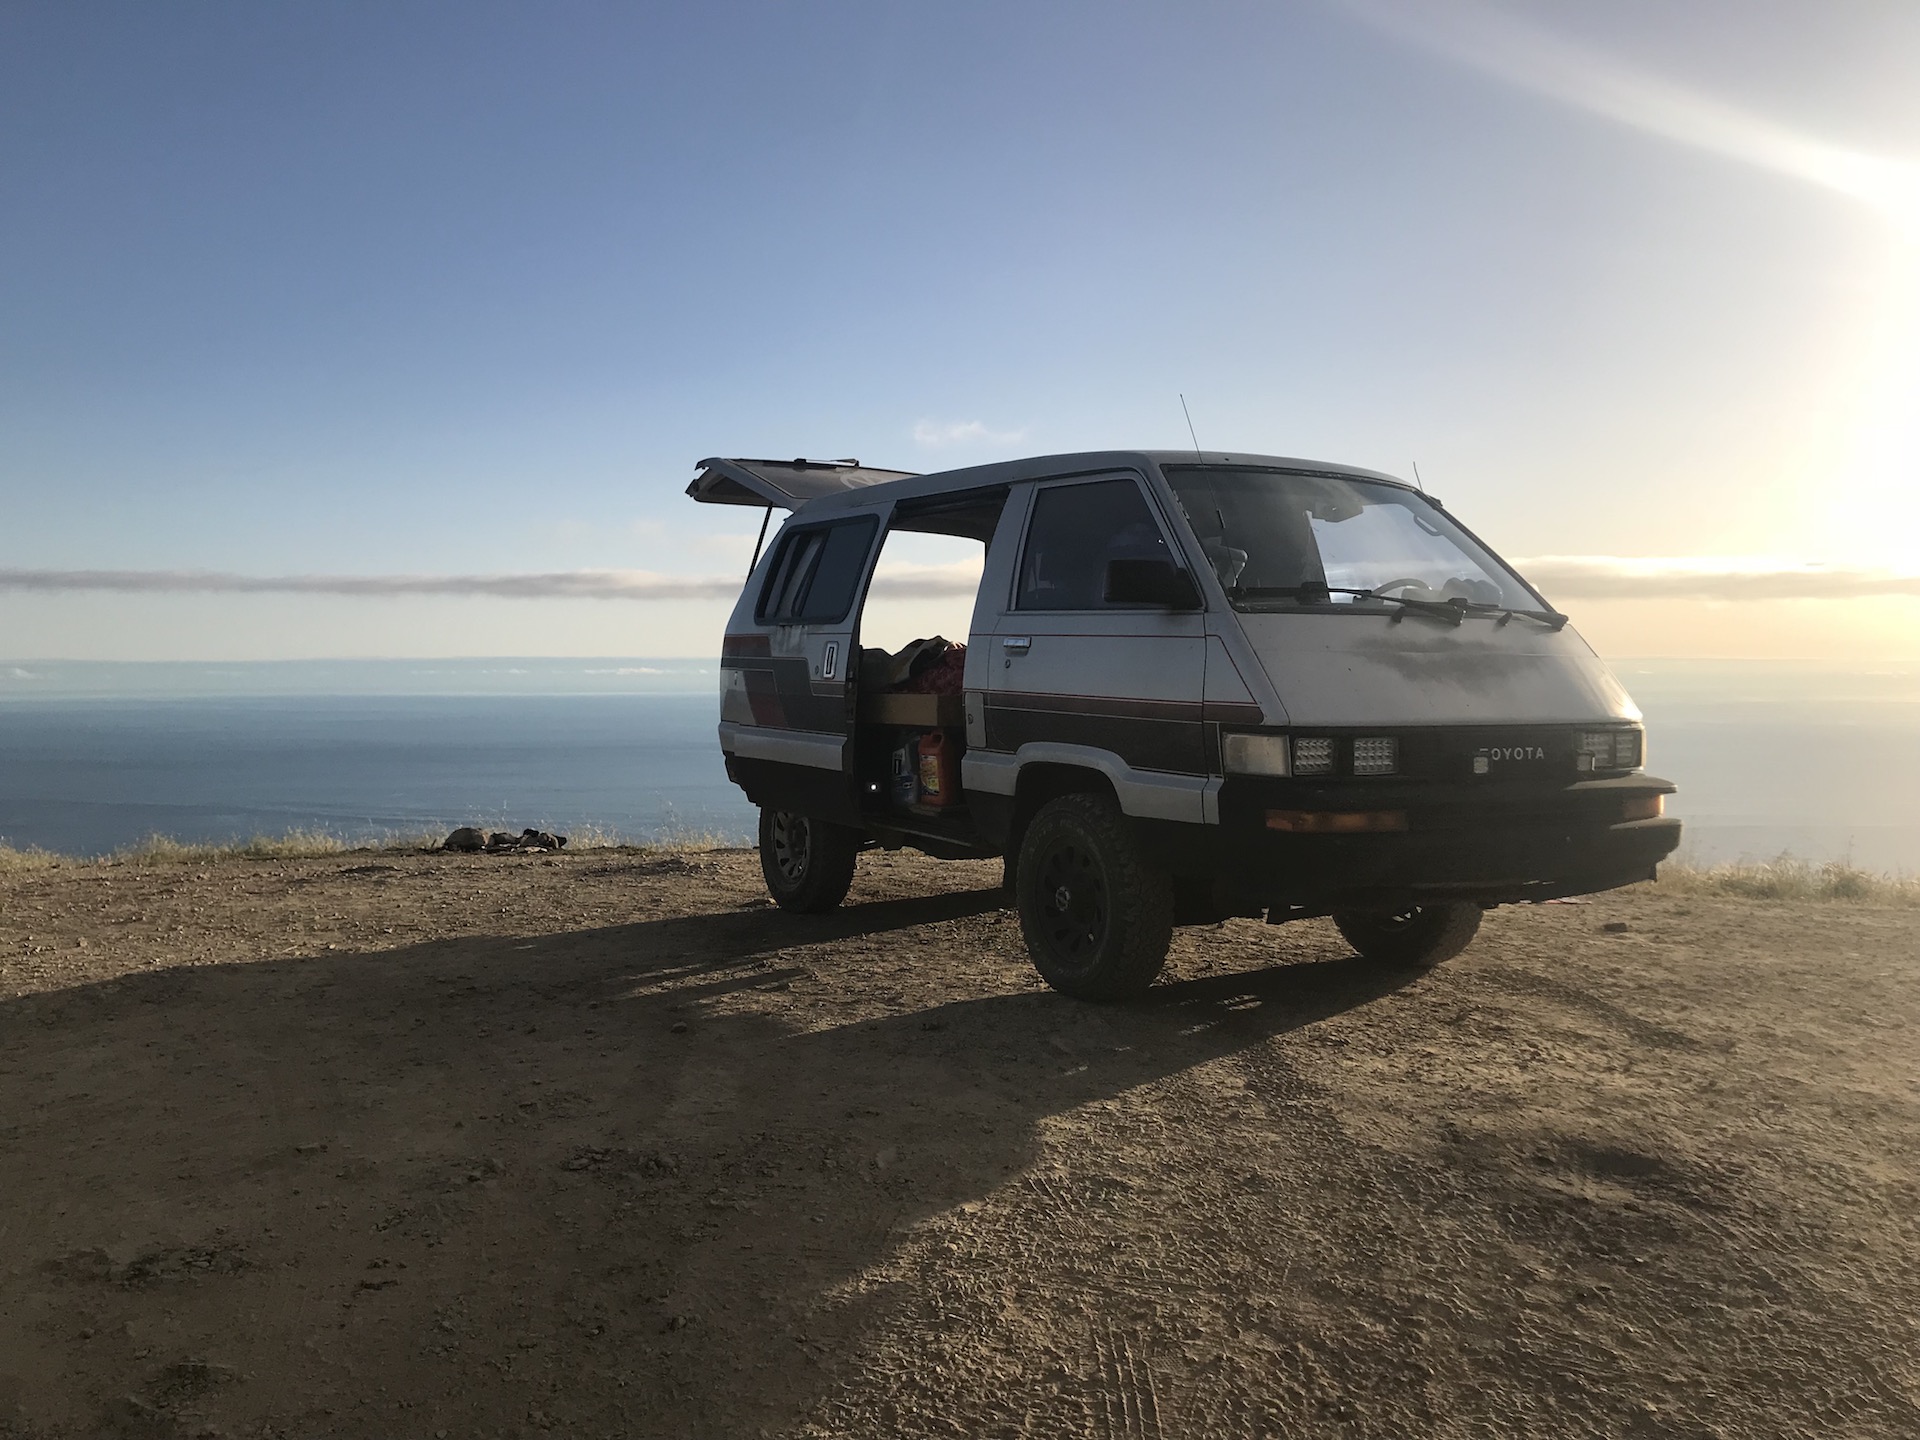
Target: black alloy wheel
808, 863
1097, 918
1073, 893
1418, 937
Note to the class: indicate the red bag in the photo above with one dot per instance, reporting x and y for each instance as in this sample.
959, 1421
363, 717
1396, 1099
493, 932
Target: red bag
946, 676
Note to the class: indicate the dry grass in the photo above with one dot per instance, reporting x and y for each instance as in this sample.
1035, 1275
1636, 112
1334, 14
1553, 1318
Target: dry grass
12, 859
673, 837
1786, 878
1791, 878
314, 845
293, 845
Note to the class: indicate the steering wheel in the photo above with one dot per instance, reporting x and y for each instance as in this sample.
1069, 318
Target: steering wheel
1395, 584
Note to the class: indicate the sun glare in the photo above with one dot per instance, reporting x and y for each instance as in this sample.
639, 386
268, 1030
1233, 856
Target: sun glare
1861, 480
1865, 487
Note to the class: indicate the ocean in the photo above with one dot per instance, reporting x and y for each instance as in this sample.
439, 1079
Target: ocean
94, 758
1817, 760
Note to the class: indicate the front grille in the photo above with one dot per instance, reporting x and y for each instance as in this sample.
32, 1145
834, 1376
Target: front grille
1519, 756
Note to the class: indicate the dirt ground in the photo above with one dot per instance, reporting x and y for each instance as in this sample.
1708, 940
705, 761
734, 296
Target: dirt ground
431, 1145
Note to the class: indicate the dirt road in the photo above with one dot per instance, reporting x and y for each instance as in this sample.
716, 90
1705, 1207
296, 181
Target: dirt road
419, 1145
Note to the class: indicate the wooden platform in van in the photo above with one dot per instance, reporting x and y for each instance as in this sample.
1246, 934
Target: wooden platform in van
923, 712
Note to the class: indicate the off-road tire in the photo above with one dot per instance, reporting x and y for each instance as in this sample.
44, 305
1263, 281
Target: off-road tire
1417, 938
808, 863
1097, 918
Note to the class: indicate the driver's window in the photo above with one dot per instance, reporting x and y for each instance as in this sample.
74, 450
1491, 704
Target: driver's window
1075, 530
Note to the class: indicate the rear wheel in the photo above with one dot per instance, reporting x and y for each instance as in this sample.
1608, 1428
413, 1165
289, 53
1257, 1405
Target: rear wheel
1418, 937
808, 863
1096, 917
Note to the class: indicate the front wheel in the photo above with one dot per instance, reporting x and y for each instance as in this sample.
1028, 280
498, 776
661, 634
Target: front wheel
1418, 938
808, 863
1097, 918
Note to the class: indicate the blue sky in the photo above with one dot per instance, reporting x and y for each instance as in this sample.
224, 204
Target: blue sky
408, 289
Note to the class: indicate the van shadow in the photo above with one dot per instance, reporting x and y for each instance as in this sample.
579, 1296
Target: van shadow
619, 1179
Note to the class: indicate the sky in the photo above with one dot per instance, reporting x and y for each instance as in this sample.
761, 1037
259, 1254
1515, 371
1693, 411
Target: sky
396, 329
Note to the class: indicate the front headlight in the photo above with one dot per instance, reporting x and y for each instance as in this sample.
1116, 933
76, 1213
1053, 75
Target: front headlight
1613, 749
1376, 755
1312, 755
1630, 749
1255, 754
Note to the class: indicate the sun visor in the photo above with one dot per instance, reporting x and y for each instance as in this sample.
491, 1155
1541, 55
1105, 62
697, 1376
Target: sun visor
788, 484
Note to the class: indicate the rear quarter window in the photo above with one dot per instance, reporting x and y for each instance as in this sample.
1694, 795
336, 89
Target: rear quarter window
817, 572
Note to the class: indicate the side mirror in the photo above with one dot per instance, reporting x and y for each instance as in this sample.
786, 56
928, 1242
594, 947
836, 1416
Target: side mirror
1151, 582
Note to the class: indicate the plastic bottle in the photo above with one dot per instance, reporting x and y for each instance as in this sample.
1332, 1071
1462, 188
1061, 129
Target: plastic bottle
939, 769
906, 780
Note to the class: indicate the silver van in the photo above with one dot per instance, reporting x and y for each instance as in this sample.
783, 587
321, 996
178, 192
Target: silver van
1195, 686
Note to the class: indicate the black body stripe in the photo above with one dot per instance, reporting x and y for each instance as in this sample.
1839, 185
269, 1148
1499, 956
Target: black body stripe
1117, 706
1144, 743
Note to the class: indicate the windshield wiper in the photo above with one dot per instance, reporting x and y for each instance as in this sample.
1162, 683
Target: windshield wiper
1453, 608
1311, 590
1552, 619
1308, 590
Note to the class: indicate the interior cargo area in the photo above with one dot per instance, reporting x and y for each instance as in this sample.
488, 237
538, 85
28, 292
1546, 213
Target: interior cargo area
909, 708
910, 732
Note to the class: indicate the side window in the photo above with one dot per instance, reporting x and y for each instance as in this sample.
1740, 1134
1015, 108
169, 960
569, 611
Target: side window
817, 572
1074, 532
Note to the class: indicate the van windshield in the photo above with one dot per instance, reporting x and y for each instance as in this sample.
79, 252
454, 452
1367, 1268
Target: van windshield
1282, 539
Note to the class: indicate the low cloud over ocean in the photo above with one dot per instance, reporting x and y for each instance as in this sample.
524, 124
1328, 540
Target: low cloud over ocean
1586, 577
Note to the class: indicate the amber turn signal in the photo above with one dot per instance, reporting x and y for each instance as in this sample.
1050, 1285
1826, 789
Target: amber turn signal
1336, 822
1644, 807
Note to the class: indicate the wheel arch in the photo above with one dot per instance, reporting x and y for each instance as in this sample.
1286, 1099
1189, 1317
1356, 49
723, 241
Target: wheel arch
1043, 780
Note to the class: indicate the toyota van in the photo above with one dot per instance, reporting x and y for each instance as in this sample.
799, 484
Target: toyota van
1195, 686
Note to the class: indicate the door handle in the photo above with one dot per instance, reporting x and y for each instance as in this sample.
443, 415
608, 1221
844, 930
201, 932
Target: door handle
1017, 644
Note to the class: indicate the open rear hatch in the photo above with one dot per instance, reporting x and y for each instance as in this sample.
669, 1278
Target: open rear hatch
788, 484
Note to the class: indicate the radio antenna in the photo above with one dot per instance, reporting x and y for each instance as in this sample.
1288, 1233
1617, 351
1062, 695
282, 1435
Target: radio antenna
1416, 478
1195, 438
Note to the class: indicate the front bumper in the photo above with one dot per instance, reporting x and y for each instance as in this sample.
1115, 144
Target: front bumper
1481, 843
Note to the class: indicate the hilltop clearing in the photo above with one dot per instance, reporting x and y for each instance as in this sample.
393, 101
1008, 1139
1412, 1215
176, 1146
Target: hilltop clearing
592, 1144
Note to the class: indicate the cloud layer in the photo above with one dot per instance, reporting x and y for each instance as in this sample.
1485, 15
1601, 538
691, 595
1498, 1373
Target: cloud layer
1613, 577
900, 580
556, 585
1572, 577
